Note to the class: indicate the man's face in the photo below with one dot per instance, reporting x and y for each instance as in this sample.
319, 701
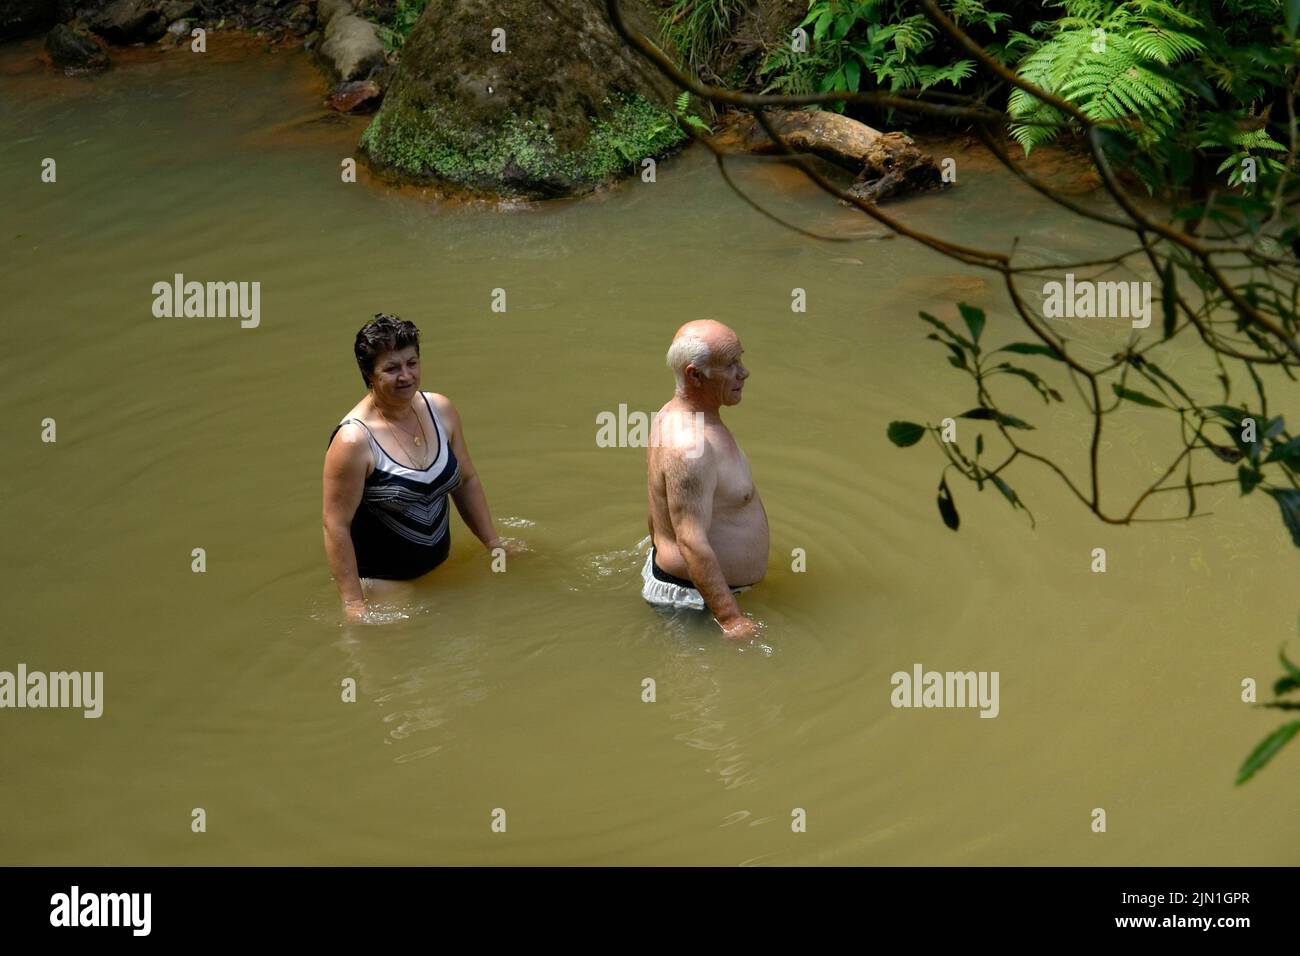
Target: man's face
727, 375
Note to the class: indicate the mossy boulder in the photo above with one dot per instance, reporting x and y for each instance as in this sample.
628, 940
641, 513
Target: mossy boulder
565, 108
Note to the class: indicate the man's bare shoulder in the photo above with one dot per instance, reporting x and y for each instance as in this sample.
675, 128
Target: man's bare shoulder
680, 433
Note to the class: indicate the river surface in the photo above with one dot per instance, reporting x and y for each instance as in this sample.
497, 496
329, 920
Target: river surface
522, 691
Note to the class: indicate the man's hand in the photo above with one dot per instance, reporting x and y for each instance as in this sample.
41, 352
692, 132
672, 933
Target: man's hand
355, 611
741, 628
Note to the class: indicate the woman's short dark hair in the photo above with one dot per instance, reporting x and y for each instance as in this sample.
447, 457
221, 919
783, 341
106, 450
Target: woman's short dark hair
383, 333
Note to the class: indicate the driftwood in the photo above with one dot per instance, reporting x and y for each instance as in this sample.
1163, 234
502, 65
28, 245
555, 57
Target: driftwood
886, 164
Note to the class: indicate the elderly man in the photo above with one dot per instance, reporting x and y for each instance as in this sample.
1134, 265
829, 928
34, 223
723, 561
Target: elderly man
707, 523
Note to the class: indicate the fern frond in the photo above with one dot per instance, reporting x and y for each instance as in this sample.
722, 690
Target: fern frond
1164, 46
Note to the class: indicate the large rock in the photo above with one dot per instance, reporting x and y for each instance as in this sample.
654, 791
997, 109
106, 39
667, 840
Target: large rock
352, 47
129, 21
327, 10
20, 18
73, 46
564, 109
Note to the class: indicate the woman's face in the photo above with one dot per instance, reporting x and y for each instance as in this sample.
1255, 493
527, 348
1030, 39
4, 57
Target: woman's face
396, 377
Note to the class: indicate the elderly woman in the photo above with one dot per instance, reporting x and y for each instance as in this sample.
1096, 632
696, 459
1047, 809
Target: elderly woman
390, 465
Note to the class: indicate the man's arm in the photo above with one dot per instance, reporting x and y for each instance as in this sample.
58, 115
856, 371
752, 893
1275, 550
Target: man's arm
689, 484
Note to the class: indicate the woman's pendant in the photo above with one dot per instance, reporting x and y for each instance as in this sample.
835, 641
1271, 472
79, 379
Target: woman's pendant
418, 441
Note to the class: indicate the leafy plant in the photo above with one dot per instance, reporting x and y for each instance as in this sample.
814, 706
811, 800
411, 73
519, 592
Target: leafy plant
697, 28
407, 14
873, 44
680, 108
1112, 62
1268, 748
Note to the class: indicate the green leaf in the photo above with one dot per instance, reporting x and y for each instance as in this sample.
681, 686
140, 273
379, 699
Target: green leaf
1288, 499
1135, 396
947, 510
1006, 490
979, 445
1149, 368
852, 73
1226, 412
823, 24
1292, 18
958, 357
1031, 348
1287, 452
927, 317
1249, 478
974, 319
989, 414
1032, 378
1267, 749
1289, 681
1169, 299
904, 434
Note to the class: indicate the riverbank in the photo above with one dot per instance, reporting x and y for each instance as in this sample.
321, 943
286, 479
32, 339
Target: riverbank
1064, 167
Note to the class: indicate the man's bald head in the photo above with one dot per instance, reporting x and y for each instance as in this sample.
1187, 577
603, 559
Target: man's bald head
701, 343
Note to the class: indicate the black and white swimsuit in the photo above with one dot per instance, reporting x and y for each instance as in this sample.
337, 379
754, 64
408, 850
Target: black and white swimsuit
401, 529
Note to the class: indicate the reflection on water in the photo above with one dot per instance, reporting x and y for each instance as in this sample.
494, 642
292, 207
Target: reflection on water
523, 689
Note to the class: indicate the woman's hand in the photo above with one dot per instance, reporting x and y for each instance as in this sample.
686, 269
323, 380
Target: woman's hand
509, 545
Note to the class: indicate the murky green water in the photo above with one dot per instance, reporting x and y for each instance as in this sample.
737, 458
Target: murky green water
522, 690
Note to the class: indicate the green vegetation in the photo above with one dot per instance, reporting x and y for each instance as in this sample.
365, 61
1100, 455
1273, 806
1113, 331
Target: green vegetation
852, 45
697, 29
635, 129
880, 44
1180, 81
1270, 745
1112, 62
395, 34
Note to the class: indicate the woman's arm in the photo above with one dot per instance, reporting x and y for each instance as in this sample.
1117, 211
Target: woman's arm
470, 499
346, 463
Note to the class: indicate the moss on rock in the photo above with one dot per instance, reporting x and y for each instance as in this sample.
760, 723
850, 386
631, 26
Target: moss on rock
563, 110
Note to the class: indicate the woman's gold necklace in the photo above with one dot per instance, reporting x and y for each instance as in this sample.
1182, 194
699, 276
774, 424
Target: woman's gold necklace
419, 439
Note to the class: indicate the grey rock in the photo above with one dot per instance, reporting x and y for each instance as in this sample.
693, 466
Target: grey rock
130, 21
327, 10
352, 47
73, 46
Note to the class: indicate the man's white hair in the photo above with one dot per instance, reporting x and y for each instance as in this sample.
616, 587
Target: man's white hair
689, 350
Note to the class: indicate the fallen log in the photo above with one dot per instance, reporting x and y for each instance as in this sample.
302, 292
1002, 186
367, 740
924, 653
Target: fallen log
886, 164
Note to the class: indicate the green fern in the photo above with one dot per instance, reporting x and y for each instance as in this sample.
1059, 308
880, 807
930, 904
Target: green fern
1242, 144
880, 44
1110, 61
